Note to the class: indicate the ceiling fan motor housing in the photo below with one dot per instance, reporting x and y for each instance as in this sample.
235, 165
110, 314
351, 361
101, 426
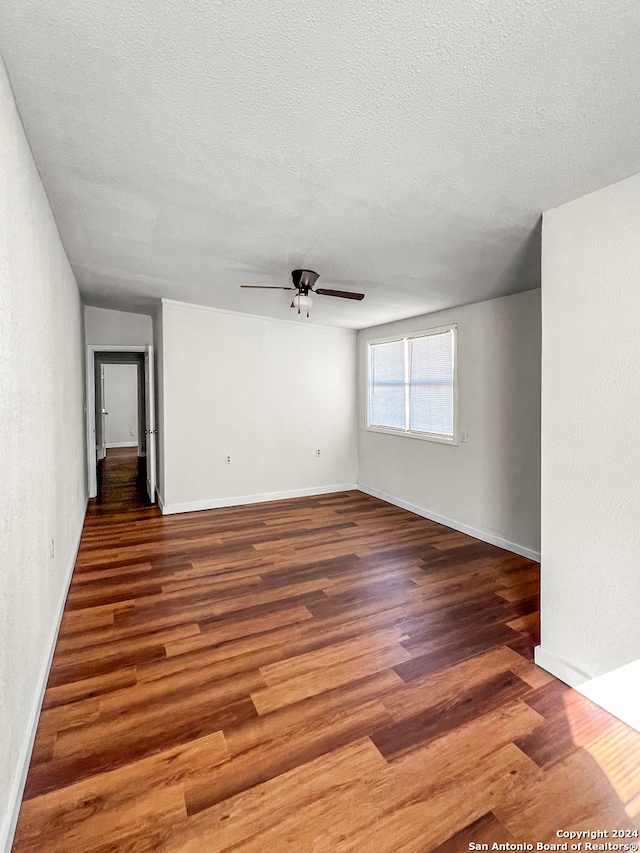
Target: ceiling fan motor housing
304, 280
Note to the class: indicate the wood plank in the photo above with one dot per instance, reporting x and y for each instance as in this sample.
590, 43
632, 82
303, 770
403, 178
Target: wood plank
315, 682
485, 830
142, 798
240, 820
236, 629
570, 795
87, 688
333, 656
440, 718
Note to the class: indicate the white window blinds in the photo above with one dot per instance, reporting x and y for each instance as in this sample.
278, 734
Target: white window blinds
387, 385
431, 384
411, 384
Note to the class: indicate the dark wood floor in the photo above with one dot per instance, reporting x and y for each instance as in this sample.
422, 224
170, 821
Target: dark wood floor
121, 481
322, 674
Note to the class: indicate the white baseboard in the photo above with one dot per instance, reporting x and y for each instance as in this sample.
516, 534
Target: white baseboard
618, 692
490, 538
122, 444
8, 828
218, 503
561, 669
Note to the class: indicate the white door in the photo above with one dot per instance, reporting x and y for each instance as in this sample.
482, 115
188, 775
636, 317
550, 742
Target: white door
150, 426
102, 449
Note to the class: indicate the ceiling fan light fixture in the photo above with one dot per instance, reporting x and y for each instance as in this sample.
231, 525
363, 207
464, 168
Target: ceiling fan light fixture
302, 302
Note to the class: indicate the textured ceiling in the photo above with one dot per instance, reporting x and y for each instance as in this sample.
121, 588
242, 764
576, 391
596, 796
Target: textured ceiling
402, 148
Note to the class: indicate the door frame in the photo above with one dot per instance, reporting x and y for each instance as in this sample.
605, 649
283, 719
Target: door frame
92, 462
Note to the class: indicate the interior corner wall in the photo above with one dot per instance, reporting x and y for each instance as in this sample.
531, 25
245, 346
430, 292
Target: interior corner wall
489, 486
42, 461
590, 577
104, 327
267, 394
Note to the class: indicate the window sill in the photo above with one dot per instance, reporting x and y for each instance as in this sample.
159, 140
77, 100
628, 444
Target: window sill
421, 436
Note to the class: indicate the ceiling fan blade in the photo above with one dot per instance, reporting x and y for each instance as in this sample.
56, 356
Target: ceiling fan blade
343, 294
265, 287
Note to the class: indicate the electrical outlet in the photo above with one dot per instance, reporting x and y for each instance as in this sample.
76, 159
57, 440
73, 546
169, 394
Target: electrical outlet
131, 432
317, 451
52, 549
464, 436
227, 459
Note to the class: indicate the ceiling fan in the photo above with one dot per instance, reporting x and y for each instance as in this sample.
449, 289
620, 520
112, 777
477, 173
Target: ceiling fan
303, 281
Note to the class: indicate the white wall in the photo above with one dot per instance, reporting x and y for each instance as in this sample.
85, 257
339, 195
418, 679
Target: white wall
489, 486
121, 403
42, 473
591, 420
158, 354
104, 327
266, 392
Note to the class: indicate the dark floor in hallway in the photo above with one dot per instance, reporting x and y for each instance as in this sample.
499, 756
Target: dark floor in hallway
121, 480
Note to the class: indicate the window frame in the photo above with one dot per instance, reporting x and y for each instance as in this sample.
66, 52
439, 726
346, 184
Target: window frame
409, 433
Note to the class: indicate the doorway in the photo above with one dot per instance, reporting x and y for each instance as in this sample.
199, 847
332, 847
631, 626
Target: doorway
121, 433
120, 425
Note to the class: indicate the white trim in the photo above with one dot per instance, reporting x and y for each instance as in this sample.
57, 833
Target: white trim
561, 669
7, 831
160, 503
423, 436
150, 422
419, 333
122, 444
218, 503
92, 476
490, 538
618, 692
409, 433
90, 416
105, 348
252, 316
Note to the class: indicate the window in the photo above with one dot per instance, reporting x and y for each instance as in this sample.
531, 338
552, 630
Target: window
411, 386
